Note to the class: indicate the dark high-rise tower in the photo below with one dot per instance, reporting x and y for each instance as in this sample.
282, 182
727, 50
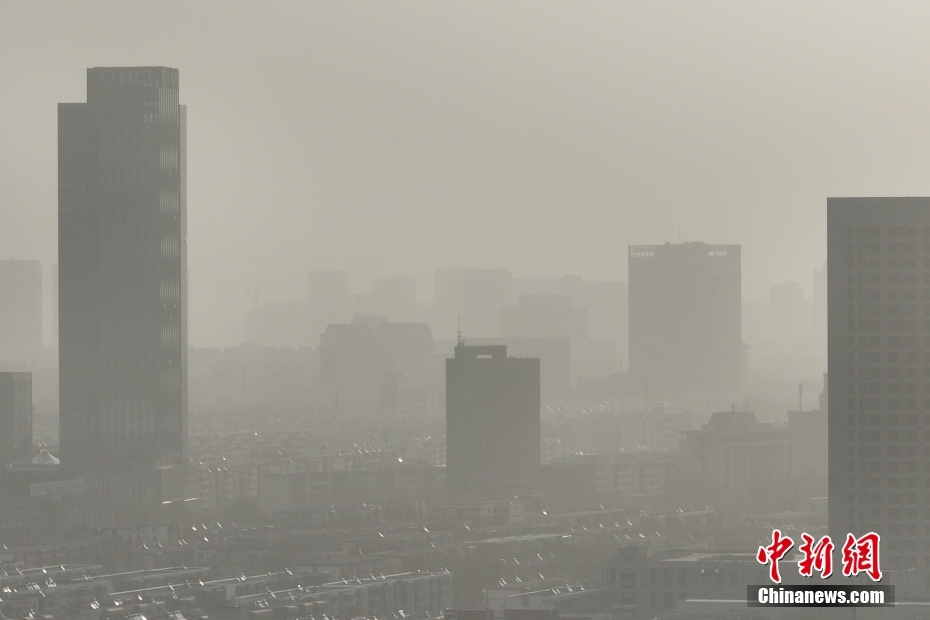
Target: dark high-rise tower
685, 318
878, 261
492, 423
122, 253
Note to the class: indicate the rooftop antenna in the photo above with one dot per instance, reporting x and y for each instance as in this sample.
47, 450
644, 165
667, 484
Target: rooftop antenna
459, 341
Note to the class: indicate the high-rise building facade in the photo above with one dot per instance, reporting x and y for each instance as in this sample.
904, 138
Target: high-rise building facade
20, 309
492, 423
685, 318
122, 208
15, 418
878, 258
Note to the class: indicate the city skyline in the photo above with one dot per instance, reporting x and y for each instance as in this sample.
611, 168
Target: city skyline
635, 163
463, 311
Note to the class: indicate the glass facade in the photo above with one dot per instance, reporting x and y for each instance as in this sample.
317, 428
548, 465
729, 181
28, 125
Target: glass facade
879, 373
123, 272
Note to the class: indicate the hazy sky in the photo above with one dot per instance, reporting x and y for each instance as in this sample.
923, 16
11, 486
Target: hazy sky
394, 138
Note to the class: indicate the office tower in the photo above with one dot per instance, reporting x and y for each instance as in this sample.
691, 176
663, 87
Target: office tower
122, 249
472, 298
685, 318
492, 423
20, 309
878, 258
15, 418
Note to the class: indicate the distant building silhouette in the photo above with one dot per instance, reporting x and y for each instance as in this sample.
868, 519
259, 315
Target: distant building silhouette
544, 316
685, 318
375, 366
328, 296
736, 461
122, 216
471, 299
598, 323
789, 316
819, 308
492, 423
20, 309
395, 298
878, 253
15, 418
280, 324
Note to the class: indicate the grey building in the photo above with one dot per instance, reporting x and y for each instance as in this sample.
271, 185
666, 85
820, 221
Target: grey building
15, 418
492, 423
878, 258
685, 318
122, 205
20, 309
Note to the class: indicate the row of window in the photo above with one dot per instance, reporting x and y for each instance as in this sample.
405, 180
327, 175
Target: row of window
892, 419
891, 279
893, 482
169, 204
884, 499
889, 372
878, 451
890, 325
877, 311
891, 232
891, 357
895, 404
877, 436
893, 263
911, 467
891, 342
874, 389
892, 294
891, 247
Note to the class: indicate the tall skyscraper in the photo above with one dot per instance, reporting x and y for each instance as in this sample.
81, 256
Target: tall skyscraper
122, 228
20, 309
492, 423
15, 418
878, 258
685, 318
